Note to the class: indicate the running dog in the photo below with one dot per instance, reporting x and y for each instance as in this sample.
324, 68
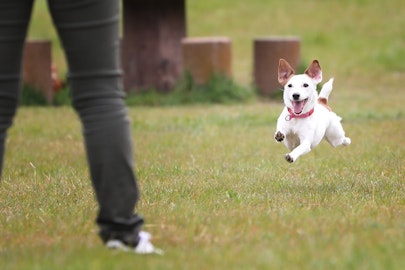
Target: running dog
306, 118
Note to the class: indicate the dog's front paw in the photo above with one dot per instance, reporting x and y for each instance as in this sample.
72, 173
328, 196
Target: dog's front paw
289, 158
279, 136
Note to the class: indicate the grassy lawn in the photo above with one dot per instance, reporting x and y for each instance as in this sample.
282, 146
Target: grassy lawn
217, 193
216, 190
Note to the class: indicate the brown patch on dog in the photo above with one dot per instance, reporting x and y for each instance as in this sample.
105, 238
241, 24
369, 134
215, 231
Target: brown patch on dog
324, 102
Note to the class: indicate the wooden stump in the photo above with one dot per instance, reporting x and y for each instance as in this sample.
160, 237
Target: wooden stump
203, 57
151, 49
37, 67
267, 53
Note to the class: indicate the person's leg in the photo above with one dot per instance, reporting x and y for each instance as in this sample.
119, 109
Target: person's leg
89, 30
14, 18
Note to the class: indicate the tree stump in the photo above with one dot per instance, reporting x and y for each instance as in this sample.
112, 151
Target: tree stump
204, 57
151, 46
267, 53
37, 67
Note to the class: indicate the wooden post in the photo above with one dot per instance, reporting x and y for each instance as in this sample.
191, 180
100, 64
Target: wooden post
37, 67
267, 52
151, 49
203, 57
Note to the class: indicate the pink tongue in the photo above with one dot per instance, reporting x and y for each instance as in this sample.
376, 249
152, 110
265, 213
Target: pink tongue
298, 106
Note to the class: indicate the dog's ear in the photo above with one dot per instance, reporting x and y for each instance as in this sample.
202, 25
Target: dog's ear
314, 71
285, 71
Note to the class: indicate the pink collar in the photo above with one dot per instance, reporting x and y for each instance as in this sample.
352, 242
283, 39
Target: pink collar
293, 115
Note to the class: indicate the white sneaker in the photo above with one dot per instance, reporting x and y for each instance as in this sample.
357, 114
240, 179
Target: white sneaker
144, 246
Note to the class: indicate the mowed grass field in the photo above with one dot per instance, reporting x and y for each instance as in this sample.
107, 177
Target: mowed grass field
216, 190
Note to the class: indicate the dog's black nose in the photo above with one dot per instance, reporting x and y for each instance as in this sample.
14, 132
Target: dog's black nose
296, 96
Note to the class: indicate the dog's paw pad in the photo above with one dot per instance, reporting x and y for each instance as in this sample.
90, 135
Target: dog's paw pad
279, 136
289, 158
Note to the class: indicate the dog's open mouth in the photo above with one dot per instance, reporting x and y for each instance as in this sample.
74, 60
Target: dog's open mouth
298, 106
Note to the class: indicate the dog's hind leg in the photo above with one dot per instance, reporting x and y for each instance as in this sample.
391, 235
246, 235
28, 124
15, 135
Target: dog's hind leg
335, 134
341, 141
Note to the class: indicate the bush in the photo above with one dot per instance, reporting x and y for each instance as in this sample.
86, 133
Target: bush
31, 96
62, 97
219, 89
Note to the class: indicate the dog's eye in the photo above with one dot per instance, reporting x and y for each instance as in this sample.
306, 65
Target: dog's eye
306, 85
290, 85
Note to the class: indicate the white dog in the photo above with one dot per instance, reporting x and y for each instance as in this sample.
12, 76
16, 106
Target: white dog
306, 118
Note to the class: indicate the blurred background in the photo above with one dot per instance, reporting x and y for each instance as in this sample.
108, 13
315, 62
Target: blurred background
359, 42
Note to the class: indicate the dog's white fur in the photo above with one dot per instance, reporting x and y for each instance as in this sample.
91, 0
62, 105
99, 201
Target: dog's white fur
302, 129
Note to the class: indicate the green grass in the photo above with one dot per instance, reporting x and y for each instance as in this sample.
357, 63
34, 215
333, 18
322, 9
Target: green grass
216, 190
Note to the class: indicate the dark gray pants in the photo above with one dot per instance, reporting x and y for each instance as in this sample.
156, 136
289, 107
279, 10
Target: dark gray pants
89, 33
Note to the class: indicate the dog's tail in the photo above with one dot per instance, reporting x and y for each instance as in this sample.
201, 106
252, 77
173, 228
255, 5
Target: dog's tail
325, 92
326, 89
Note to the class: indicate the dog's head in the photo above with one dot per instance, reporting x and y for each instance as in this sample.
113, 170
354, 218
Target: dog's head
300, 93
